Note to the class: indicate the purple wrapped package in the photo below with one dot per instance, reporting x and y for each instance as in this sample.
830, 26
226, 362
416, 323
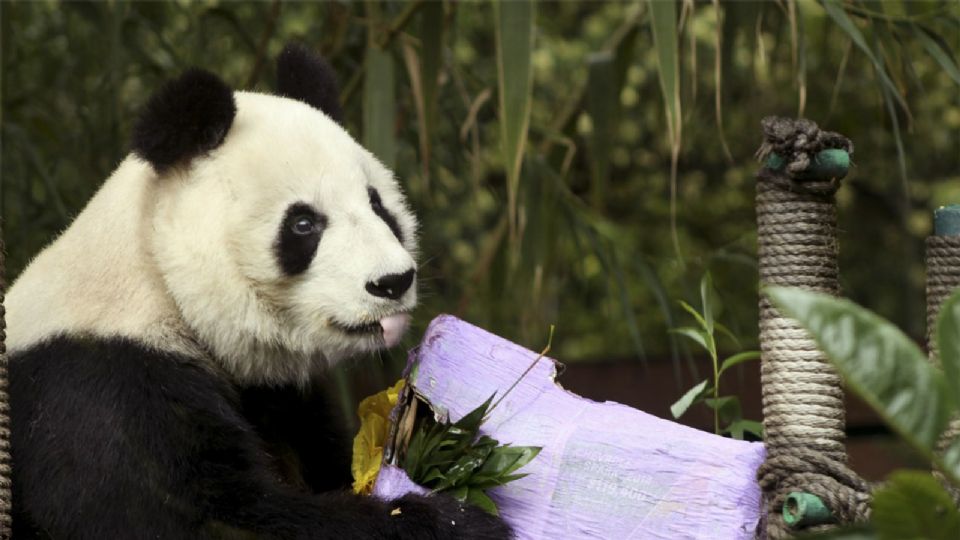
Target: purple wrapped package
606, 470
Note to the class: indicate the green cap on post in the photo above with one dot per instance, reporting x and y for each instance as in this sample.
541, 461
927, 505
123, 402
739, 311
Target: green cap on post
804, 509
946, 220
826, 165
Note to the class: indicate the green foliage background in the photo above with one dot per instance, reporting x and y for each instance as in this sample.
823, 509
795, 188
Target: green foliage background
589, 245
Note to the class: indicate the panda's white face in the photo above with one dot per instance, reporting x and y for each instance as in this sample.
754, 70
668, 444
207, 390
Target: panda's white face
286, 248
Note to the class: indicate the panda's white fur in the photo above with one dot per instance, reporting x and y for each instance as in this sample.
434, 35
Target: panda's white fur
186, 261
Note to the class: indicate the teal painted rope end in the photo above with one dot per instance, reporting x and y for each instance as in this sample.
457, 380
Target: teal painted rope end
827, 165
946, 220
805, 509
774, 162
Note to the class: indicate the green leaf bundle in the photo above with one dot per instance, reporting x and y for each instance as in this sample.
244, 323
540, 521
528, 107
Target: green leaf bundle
455, 458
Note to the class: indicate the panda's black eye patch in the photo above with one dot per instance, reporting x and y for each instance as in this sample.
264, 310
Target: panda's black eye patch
377, 205
299, 237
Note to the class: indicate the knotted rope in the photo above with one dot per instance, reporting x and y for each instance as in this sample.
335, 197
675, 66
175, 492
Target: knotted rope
943, 278
5, 495
803, 407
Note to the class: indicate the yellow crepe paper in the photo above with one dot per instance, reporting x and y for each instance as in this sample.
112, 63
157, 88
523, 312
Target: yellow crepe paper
374, 413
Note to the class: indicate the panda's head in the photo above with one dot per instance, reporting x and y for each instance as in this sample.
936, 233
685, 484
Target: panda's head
285, 245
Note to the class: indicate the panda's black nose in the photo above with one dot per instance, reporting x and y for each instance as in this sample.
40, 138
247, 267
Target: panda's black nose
391, 286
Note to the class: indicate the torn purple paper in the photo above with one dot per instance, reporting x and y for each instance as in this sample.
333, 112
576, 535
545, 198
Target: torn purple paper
606, 470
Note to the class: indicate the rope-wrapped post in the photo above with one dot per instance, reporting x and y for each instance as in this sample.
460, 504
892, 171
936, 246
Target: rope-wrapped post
943, 278
803, 409
5, 472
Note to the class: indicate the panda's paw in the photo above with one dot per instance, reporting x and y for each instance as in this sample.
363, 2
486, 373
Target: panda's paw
442, 517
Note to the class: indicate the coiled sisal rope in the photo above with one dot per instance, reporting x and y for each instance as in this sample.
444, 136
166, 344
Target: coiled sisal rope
943, 278
803, 405
5, 495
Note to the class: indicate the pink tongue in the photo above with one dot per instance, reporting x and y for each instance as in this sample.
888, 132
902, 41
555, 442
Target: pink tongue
393, 328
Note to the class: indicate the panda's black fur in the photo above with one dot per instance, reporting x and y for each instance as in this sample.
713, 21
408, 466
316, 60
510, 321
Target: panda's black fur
187, 117
306, 77
113, 438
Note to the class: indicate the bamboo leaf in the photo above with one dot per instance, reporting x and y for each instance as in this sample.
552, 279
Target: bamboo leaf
888, 97
836, 12
431, 55
697, 335
431, 476
424, 68
685, 401
524, 455
414, 71
722, 328
624, 45
696, 314
630, 318
602, 98
738, 427
718, 79
739, 358
879, 363
471, 421
663, 23
514, 36
460, 493
379, 105
938, 52
480, 499
706, 290
727, 406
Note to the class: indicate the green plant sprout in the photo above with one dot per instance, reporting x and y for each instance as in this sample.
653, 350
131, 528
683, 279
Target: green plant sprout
725, 408
887, 370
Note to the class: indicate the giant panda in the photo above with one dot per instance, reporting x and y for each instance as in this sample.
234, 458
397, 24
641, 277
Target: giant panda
165, 348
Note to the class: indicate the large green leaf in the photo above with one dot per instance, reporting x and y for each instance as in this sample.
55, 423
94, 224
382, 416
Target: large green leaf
379, 105
514, 32
878, 362
912, 504
948, 341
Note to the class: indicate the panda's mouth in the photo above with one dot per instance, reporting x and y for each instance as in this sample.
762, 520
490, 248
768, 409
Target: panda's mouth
389, 329
359, 329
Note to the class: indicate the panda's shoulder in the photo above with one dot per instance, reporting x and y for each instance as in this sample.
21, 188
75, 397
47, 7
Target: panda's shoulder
129, 375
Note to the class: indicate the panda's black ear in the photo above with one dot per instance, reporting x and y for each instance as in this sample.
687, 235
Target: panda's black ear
307, 77
189, 116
